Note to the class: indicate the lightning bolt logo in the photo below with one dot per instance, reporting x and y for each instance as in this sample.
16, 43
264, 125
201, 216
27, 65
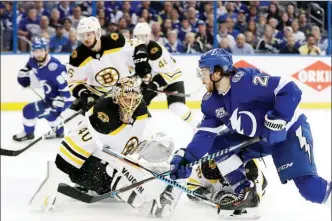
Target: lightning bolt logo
303, 142
236, 122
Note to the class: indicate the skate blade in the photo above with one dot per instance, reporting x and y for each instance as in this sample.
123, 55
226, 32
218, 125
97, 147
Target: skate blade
247, 214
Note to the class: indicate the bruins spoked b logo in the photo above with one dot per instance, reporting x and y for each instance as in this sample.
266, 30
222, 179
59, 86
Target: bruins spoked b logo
131, 146
107, 77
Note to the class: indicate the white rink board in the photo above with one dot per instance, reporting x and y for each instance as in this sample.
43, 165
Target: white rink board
284, 66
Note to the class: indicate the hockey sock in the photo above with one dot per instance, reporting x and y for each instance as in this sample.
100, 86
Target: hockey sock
181, 110
234, 173
313, 188
29, 118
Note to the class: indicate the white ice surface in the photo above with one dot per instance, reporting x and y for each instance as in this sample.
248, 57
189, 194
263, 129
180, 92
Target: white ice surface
21, 175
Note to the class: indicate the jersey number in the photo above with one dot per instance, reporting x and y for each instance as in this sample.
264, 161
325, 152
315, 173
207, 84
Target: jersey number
85, 135
162, 62
262, 80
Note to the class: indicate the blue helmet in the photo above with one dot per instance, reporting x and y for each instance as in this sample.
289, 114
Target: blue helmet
39, 43
214, 57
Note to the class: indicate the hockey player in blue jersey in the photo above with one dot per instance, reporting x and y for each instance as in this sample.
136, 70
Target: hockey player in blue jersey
252, 104
51, 75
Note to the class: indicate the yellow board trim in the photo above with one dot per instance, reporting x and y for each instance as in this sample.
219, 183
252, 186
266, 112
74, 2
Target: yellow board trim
18, 106
118, 130
144, 116
71, 157
77, 148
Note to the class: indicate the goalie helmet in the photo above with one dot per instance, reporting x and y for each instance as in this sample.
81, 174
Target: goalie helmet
127, 94
142, 31
88, 24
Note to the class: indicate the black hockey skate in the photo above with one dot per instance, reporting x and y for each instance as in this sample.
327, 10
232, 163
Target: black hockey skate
23, 137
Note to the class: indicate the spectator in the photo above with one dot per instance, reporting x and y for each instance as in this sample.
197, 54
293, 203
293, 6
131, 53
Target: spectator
224, 43
6, 25
268, 43
241, 23
72, 43
176, 24
241, 47
166, 12
126, 8
304, 26
291, 12
102, 22
221, 10
230, 26
240, 7
111, 27
230, 12
288, 31
145, 15
55, 18
64, 9
67, 24
191, 46
321, 42
129, 20
28, 29
260, 27
166, 26
45, 35
125, 33
299, 35
310, 47
157, 35
41, 10
273, 23
58, 41
105, 12
122, 24
207, 9
152, 13
77, 16
252, 27
204, 38
285, 21
290, 48
192, 17
250, 38
223, 33
185, 28
173, 45
86, 8
21, 13
273, 12
253, 14
44, 26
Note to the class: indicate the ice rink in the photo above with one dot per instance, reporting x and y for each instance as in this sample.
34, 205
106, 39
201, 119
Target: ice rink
21, 175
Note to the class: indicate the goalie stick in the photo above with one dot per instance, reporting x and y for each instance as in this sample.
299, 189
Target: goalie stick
86, 198
78, 195
14, 153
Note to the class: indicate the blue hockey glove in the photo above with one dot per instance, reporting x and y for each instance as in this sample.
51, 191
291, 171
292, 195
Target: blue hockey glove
178, 168
58, 104
276, 131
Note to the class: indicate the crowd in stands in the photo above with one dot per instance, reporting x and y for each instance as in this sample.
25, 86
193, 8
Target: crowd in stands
182, 27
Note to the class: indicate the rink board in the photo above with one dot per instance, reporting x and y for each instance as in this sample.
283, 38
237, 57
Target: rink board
311, 74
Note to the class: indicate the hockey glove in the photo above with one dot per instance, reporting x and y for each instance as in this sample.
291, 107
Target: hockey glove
178, 168
58, 104
87, 100
275, 128
23, 77
141, 60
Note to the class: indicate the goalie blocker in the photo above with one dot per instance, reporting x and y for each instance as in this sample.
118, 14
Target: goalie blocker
118, 122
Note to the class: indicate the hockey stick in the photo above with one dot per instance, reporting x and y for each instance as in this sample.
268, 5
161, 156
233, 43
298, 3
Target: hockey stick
175, 93
78, 195
14, 153
87, 198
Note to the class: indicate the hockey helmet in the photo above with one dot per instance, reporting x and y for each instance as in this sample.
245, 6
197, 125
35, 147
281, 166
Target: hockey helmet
142, 31
88, 24
127, 94
39, 43
216, 57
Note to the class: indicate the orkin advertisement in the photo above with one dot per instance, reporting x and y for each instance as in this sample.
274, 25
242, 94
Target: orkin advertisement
311, 74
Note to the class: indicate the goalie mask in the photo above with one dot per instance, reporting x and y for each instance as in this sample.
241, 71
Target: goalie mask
128, 96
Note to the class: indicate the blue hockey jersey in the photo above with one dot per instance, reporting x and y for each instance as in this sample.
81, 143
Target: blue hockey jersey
243, 107
51, 76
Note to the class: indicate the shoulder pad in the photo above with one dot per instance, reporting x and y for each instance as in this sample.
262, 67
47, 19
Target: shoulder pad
155, 50
79, 55
112, 41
